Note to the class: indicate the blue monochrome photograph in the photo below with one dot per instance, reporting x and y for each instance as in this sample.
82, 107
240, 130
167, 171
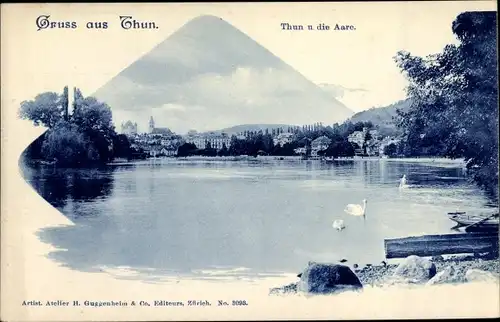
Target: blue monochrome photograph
212, 158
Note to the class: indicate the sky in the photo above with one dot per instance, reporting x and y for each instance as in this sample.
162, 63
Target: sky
361, 59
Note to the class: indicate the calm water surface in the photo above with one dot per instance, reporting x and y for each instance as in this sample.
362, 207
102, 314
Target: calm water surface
245, 218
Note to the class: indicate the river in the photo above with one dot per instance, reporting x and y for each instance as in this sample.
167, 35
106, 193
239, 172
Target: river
240, 219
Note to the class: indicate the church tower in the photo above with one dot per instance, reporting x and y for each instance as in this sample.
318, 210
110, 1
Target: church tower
151, 124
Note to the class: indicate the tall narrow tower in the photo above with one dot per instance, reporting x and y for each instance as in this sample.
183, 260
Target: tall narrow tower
151, 124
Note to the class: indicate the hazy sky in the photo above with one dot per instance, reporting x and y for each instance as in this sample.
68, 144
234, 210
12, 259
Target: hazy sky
360, 59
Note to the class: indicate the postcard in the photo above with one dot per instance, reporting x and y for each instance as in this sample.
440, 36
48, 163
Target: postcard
249, 161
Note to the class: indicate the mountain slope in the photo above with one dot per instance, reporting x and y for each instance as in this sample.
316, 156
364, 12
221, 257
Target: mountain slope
382, 117
209, 74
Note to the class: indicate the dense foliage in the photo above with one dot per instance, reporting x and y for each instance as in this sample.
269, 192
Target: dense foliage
454, 99
86, 136
262, 143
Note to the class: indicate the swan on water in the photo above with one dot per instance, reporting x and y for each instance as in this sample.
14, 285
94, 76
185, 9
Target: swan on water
402, 182
356, 210
338, 224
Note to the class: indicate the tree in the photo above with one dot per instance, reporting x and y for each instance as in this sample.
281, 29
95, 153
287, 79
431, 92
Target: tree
340, 148
90, 126
68, 146
34, 150
224, 151
391, 150
90, 115
65, 103
186, 149
454, 98
268, 143
45, 109
121, 146
94, 119
367, 138
209, 151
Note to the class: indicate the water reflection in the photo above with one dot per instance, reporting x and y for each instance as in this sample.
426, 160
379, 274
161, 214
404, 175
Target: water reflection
60, 186
242, 218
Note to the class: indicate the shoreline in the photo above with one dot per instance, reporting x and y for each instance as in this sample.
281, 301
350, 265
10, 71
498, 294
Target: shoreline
438, 161
379, 275
289, 158
382, 275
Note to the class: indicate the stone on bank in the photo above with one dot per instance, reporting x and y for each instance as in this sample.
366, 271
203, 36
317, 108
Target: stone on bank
414, 270
477, 275
447, 275
320, 278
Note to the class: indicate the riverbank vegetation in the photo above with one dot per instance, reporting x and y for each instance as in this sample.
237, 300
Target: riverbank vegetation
454, 100
83, 137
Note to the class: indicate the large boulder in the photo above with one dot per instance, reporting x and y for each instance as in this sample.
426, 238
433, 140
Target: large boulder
415, 269
447, 275
477, 275
320, 278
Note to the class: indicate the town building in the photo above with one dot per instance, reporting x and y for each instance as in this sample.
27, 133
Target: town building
301, 150
216, 140
283, 138
159, 151
385, 142
320, 144
156, 142
157, 130
129, 128
358, 137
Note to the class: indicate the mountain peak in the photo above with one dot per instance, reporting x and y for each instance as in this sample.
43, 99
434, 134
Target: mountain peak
207, 24
206, 19
209, 74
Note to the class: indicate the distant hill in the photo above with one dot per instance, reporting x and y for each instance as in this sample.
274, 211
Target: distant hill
382, 117
250, 127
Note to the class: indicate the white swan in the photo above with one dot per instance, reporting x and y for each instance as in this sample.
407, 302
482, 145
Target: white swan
356, 210
338, 224
402, 182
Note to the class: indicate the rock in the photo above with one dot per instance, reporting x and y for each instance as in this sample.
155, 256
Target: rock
415, 269
320, 278
447, 275
438, 258
477, 275
287, 289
